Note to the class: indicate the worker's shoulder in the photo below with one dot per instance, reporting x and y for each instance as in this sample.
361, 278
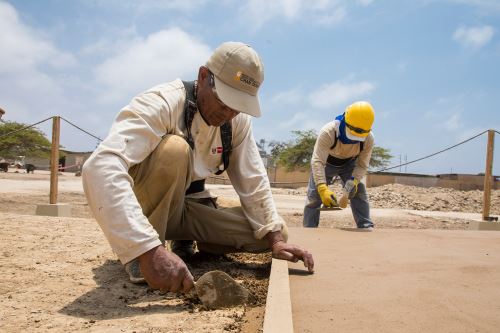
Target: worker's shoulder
370, 138
175, 87
329, 127
165, 96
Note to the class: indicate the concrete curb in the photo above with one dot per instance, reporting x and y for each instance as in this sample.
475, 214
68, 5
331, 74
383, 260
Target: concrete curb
278, 316
491, 226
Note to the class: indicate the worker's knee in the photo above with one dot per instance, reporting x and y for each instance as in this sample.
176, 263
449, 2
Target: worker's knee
313, 203
361, 192
172, 148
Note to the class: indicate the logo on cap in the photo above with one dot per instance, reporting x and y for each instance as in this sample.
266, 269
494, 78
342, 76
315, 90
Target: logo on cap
242, 77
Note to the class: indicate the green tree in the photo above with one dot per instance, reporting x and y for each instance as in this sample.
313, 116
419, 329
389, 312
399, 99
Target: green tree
380, 157
297, 153
29, 142
276, 147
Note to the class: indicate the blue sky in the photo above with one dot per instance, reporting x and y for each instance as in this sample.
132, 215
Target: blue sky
431, 68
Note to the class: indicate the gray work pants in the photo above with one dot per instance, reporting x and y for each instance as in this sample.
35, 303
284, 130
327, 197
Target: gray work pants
359, 203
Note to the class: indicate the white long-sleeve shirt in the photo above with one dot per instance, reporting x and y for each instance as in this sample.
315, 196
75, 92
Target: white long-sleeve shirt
322, 149
135, 133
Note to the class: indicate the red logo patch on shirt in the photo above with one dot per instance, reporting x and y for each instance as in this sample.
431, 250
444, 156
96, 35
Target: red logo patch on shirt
217, 150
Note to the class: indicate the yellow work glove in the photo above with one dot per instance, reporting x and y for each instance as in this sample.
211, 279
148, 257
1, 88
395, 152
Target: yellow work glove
327, 196
351, 187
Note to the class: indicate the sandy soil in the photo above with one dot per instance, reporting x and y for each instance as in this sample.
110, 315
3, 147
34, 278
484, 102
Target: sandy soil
398, 281
60, 275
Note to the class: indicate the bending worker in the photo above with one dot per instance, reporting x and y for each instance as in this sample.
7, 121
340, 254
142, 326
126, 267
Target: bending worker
343, 148
145, 181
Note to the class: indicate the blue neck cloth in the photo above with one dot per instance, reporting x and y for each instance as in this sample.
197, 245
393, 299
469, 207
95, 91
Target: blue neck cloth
342, 136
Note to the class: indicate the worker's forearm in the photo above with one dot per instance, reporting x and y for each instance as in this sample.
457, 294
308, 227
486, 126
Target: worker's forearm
274, 237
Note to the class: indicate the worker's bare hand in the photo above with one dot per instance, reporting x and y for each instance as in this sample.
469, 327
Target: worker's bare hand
164, 270
293, 253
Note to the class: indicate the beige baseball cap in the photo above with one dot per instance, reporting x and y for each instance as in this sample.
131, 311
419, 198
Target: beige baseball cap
238, 73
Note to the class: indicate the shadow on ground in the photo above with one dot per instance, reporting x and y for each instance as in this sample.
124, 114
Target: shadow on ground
116, 297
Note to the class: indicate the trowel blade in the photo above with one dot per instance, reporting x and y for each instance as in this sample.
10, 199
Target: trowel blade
323, 207
216, 289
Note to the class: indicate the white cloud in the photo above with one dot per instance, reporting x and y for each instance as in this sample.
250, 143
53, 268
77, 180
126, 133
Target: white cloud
474, 37
322, 12
114, 41
23, 49
336, 16
149, 5
261, 11
301, 121
340, 94
485, 5
160, 57
289, 97
30, 87
453, 122
447, 113
297, 118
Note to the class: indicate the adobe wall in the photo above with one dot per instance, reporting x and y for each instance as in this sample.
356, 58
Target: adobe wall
279, 177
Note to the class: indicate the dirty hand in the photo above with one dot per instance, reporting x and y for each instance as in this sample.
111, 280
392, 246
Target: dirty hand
351, 186
293, 253
327, 197
282, 250
164, 270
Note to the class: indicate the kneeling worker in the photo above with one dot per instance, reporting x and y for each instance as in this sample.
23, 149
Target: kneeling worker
343, 148
145, 181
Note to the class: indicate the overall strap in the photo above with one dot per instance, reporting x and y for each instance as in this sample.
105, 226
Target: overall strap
226, 136
334, 142
190, 109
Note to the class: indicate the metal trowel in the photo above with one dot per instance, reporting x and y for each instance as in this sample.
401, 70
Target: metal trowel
216, 290
334, 207
323, 207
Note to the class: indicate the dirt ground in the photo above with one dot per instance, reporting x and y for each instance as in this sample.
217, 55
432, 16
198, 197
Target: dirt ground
59, 274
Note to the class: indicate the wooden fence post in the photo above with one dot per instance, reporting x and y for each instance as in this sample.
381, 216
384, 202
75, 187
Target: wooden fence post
54, 159
488, 176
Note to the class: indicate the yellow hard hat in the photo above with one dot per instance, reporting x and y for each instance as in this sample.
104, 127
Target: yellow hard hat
359, 118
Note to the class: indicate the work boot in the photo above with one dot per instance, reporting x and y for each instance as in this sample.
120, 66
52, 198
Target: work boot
183, 248
366, 227
134, 272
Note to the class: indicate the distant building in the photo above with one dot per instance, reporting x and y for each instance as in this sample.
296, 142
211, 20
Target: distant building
72, 161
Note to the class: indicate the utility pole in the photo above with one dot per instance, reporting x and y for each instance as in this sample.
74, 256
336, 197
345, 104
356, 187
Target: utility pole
488, 176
